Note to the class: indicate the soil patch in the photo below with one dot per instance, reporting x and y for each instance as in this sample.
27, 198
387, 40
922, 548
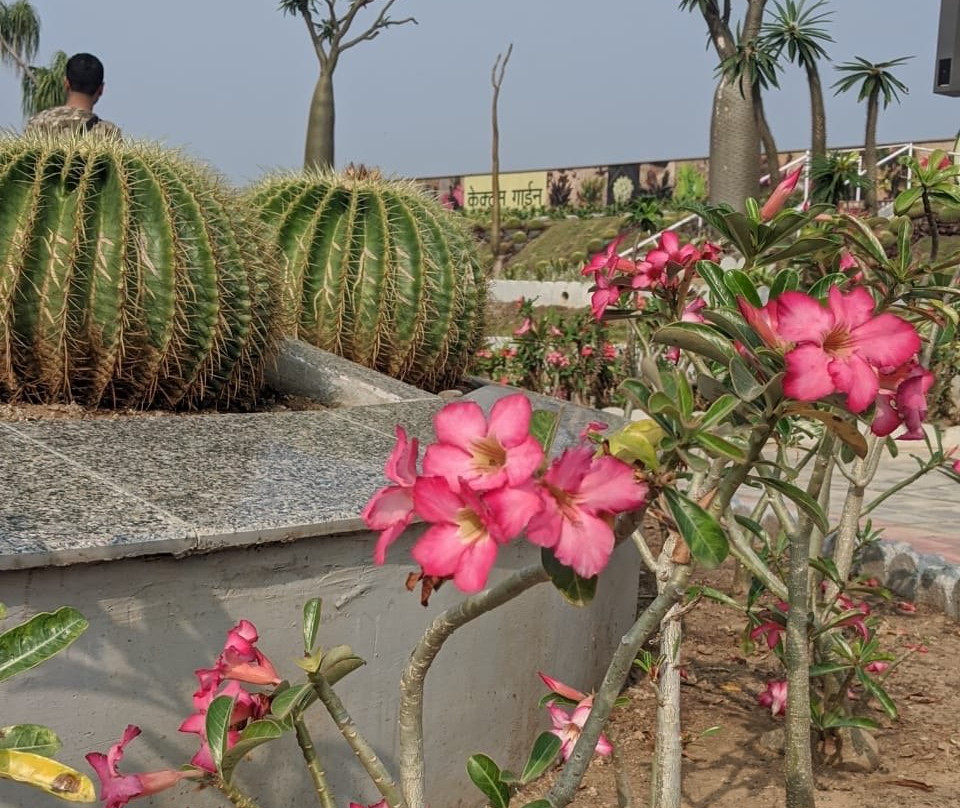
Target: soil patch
729, 767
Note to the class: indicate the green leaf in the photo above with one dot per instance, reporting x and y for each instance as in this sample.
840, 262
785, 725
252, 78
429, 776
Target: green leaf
543, 427
742, 232
219, 715
311, 623
714, 594
800, 498
712, 275
719, 410
827, 668
802, 246
575, 590
485, 775
821, 287
872, 686
752, 525
787, 280
291, 701
838, 720
637, 441
701, 532
826, 567
27, 645
46, 774
253, 735
905, 200
338, 662
698, 338
718, 447
538, 804
745, 384
684, 394
740, 285
31, 738
544, 752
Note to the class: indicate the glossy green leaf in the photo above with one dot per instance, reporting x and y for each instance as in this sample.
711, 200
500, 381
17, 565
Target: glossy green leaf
800, 498
637, 441
27, 645
485, 775
719, 411
543, 427
291, 701
712, 275
745, 384
719, 447
906, 199
338, 662
829, 668
575, 590
660, 403
698, 338
787, 280
538, 804
684, 393
217, 726
752, 525
48, 775
253, 735
713, 594
827, 568
637, 391
741, 231
740, 285
701, 532
821, 287
801, 247
311, 624
836, 720
872, 686
544, 752
31, 738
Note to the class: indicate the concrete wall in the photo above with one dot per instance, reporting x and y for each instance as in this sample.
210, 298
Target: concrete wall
153, 621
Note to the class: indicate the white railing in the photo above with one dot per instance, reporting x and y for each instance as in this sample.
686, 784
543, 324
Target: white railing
898, 151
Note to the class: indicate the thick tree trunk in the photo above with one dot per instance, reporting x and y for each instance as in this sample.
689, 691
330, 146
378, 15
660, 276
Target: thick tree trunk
870, 152
734, 146
766, 138
818, 114
320, 125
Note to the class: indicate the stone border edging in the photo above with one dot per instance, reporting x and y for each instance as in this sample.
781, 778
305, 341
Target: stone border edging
923, 578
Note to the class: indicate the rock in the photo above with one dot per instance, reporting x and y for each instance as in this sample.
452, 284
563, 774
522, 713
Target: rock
861, 753
772, 741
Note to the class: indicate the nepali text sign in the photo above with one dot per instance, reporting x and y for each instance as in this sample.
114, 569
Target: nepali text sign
526, 189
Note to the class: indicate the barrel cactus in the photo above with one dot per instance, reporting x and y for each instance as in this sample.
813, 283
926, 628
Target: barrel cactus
129, 277
381, 273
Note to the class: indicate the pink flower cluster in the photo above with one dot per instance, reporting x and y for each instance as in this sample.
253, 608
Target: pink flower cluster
240, 661
845, 347
567, 726
660, 267
774, 696
483, 484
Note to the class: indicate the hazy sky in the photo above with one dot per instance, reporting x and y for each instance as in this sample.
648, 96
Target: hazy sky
590, 81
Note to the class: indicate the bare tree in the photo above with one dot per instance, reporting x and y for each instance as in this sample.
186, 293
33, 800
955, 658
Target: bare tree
496, 79
330, 34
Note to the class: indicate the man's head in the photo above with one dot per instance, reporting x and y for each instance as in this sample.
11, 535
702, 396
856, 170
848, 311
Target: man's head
85, 75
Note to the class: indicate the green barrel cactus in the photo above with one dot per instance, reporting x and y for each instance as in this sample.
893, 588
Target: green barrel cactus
381, 273
129, 278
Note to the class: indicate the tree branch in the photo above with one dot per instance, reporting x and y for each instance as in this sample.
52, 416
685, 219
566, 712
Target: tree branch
381, 22
315, 38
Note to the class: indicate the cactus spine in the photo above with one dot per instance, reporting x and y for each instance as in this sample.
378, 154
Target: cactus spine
382, 274
128, 277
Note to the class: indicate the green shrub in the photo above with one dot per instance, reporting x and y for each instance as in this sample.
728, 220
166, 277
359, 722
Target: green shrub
129, 277
382, 274
520, 237
595, 245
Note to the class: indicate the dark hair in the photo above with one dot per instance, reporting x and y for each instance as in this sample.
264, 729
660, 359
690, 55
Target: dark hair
85, 73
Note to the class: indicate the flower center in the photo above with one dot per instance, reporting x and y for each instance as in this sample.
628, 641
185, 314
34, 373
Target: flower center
488, 455
838, 343
472, 528
567, 503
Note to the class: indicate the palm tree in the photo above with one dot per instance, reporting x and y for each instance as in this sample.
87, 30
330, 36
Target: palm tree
874, 81
754, 64
734, 141
798, 30
19, 35
43, 87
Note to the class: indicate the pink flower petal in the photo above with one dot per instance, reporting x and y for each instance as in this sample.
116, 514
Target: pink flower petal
401, 466
439, 550
435, 500
850, 310
801, 318
857, 379
560, 688
610, 487
459, 423
585, 545
807, 377
886, 340
513, 508
558, 716
510, 419
475, 564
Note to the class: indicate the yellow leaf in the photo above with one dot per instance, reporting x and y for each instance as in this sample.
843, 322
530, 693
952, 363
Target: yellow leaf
47, 774
637, 441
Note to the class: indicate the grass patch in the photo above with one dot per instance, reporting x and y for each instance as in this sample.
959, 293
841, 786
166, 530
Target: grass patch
553, 254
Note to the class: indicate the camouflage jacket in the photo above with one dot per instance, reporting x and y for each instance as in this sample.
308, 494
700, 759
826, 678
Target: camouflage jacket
69, 119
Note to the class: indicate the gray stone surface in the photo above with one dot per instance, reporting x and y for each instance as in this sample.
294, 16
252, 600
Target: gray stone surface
300, 369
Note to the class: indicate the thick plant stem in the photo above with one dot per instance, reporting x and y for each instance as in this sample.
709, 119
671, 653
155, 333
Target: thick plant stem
622, 779
361, 747
314, 767
864, 470
233, 794
565, 786
415, 674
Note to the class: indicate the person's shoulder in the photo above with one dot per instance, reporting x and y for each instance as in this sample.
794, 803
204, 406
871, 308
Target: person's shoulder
109, 128
53, 115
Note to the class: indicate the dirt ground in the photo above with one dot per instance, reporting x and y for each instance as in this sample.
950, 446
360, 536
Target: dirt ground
730, 767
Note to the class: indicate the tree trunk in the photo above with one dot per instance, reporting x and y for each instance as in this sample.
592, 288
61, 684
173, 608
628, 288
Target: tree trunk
818, 114
320, 125
870, 152
734, 147
766, 138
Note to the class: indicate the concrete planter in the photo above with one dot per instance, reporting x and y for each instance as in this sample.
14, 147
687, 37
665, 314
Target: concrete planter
571, 294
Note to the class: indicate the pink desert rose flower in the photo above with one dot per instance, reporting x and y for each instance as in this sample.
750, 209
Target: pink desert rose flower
770, 631
525, 327
606, 293
593, 428
381, 804
467, 528
242, 661
774, 697
840, 346
876, 667
669, 256
690, 314
780, 195
765, 321
390, 510
580, 496
116, 789
956, 466
568, 726
247, 707
558, 687
903, 401
487, 454
608, 261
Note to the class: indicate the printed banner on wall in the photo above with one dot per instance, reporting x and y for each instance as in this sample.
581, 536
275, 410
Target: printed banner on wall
527, 189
